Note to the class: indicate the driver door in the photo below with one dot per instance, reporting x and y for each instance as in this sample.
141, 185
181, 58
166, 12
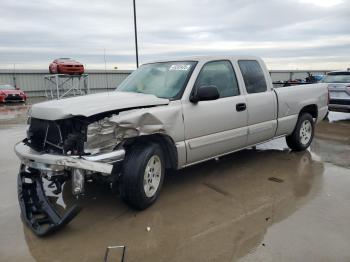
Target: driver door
218, 126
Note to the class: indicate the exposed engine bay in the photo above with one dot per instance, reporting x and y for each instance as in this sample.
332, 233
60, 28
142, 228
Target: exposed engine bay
65, 136
82, 136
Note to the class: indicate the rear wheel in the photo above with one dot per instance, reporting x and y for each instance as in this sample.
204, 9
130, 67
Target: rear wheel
303, 133
142, 175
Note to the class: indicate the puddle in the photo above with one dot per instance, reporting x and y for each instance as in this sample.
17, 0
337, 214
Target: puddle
222, 210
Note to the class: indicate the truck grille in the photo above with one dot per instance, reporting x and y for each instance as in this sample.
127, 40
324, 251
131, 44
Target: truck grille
13, 97
66, 136
45, 136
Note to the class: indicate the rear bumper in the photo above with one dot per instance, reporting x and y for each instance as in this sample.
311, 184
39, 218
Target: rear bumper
341, 105
102, 163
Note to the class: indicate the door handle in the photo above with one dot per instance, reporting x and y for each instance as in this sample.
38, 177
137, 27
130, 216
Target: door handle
241, 107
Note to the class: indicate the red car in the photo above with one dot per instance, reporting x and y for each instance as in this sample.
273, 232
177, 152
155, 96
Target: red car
9, 93
66, 66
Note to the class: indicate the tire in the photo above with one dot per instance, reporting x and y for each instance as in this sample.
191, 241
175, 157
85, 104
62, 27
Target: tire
138, 188
303, 133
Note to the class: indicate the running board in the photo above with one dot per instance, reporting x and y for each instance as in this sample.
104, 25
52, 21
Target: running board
38, 213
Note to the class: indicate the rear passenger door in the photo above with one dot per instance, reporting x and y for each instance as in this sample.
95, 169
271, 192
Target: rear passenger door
261, 101
218, 126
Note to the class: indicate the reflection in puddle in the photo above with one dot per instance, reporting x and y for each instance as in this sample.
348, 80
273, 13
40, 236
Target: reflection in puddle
217, 210
16, 112
332, 140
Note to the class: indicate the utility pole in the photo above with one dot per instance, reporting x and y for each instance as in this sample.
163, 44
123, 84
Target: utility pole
14, 76
135, 28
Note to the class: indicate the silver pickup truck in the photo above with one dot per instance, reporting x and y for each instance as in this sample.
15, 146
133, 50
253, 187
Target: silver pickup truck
165, 115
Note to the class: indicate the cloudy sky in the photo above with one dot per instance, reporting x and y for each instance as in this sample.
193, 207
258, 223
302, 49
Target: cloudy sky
288, 34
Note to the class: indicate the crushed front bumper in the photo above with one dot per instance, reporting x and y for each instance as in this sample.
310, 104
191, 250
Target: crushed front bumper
102, 163
37, 211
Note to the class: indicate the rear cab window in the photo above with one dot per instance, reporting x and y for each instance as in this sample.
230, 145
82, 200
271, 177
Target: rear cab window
253, 76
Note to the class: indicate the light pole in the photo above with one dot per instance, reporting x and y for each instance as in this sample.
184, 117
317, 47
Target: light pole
135, 28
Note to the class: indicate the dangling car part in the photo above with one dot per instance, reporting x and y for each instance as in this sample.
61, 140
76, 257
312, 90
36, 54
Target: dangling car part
37, 211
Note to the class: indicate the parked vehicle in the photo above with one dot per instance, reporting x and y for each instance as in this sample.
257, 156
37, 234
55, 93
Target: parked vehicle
165, 115
339, 90
66, 66
319, 78
9, 93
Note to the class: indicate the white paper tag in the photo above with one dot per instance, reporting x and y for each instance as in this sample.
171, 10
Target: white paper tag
179, 67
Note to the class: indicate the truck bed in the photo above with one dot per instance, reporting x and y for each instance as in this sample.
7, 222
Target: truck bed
291, 99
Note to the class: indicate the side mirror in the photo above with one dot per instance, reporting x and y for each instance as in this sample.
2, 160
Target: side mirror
205, 93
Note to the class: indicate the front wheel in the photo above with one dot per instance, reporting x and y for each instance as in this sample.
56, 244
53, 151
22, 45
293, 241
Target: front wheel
303, 133
142, 175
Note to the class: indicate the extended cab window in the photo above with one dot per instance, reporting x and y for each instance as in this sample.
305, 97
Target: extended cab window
221, 75
253, 76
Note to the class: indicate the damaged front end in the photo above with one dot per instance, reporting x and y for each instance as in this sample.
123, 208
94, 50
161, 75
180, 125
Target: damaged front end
80, 149
58, 152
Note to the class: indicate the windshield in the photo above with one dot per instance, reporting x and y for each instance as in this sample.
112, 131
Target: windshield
6, 87
337, 78
165, 80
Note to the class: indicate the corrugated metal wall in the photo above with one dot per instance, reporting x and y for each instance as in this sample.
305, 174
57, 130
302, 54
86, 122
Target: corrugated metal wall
33, 83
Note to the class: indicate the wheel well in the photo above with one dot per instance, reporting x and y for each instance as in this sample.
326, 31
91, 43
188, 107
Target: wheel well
311, 109
166, 143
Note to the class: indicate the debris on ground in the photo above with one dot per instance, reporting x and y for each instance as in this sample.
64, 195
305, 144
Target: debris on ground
275, 179
114, 247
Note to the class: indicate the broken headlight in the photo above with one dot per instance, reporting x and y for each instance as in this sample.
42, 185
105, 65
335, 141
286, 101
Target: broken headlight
104, 136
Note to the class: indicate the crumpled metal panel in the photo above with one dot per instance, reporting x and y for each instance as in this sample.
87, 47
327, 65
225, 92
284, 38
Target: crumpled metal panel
102, 136
161, 119
106, 134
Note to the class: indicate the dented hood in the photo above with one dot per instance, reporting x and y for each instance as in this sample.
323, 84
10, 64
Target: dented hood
93, 104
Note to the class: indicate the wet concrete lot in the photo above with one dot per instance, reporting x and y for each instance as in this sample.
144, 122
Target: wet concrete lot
263, 204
